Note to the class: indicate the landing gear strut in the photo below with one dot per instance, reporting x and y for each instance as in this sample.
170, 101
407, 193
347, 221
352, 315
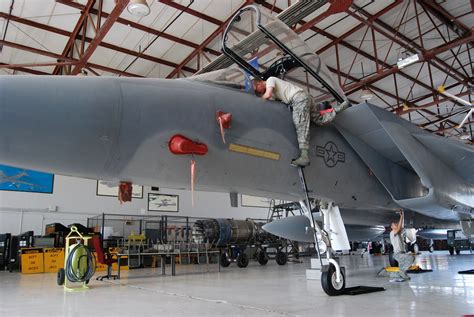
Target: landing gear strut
332, 275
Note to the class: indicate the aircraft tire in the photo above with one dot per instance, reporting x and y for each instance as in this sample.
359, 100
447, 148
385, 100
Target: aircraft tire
262, 257
224, 260
458, 251
329, 284
242, 260
451, 250
281, 258
431, 249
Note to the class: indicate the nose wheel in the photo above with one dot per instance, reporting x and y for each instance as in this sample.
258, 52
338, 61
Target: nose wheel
329, 282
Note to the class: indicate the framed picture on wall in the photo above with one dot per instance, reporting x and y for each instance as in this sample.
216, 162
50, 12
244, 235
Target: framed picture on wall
105, 188
22, 180
161, 202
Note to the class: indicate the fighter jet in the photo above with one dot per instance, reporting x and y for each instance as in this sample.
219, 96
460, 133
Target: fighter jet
148, 131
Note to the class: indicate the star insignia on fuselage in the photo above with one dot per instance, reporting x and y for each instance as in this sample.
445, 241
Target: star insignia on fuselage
331, 154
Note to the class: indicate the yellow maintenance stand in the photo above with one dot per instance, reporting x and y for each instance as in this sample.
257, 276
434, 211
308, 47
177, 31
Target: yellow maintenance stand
393, 269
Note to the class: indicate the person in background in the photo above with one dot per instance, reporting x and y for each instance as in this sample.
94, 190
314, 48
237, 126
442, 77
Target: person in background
399, 252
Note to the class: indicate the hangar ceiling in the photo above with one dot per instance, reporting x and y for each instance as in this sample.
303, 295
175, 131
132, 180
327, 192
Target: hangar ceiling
361, 45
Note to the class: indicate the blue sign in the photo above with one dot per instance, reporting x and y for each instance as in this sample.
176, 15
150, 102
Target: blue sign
18, 179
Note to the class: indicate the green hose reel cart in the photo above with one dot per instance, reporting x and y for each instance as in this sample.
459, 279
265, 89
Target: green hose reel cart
79, 261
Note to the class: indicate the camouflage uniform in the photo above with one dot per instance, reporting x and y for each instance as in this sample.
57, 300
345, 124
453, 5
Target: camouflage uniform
404, 262
300, 104
305, 111
323, 117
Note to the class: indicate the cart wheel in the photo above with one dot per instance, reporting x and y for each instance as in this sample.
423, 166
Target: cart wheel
224, 260
262, 257
242, 260
61, 276
281, 258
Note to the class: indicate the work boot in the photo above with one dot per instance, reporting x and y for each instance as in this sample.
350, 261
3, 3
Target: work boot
303, 160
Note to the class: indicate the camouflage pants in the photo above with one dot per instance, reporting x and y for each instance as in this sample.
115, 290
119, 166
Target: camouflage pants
324, 117
301, 118
404, 262
305, 111
321, 118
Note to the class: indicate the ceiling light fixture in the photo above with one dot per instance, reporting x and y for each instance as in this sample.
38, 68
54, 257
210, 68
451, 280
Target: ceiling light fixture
408, 61
138, 8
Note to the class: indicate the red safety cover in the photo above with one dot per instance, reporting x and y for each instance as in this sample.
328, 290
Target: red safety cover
225, 119
323, 112
179, 144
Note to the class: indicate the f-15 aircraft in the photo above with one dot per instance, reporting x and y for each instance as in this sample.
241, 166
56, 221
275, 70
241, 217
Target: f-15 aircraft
368, 162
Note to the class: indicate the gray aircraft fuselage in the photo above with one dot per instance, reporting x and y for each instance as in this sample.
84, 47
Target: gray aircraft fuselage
118, 129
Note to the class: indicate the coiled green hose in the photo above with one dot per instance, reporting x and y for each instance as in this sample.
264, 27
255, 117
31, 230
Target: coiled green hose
80, 264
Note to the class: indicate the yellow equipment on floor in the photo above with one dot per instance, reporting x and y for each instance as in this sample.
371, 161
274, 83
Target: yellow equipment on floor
391, 269
79, 262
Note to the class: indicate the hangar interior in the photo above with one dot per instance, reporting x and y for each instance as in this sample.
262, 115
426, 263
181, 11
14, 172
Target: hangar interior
192, 242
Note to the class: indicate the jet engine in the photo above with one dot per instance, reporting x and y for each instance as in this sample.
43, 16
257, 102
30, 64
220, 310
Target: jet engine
223, 232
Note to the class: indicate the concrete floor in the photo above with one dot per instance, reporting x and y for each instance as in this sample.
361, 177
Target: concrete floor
255, 291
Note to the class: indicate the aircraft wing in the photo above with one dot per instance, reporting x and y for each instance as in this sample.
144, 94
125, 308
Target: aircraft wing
290, 16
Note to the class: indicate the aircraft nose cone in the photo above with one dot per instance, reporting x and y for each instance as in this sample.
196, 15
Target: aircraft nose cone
297, 228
